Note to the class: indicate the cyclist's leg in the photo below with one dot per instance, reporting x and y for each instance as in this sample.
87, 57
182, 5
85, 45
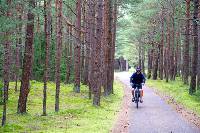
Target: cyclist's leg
133, 93
141, 94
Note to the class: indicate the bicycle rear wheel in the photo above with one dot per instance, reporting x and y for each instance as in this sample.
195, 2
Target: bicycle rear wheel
137, 100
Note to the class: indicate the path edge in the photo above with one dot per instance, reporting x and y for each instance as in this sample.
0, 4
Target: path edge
121, 124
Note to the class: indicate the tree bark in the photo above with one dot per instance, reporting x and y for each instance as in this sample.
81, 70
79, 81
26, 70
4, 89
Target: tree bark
97, 57
92, 28
113, 42
186, 47
155, 63
172, 65
69, 55
195, 49
6, 68
168, 52
150, 63
161, 48
108, 53
77, 49
198, 69
58, 50
18, 45
28, 61
87, 51
47, 29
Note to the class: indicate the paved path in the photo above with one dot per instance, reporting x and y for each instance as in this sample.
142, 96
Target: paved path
154, 115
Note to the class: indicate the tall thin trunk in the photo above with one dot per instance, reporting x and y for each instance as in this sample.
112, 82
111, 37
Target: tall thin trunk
186, 47
97, 57
168, 52
106, 46
83, 41
177, 56
58, 50
77, 49
47, 29
161, 48
91, 14
172, 65
195, 49
6, 68
108, 53
198, 69
87, 50
113, 42
110, 49
17, 51
143, 60
150, 64
38, 18
155, 63
139, 52
28, 61
69, 55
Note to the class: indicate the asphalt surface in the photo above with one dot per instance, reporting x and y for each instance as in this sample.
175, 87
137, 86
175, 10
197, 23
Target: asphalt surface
154, 115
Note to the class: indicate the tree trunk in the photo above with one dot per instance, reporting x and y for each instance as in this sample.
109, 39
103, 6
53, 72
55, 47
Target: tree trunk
110, 49
139, 52
198, 69
172, 65
97, 57
161, 48
166, 64
106, 46
58, 50
69, 58
155, 63
77, 49
17, 51
47, 29
83, 41
91, 13
168, 52
6, 68
113, 42
177, 56
108, 53
150, 59
195, 48
28, 61
186, 47
87, 52
143, 60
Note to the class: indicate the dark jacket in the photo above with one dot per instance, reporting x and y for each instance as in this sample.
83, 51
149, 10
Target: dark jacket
137, 78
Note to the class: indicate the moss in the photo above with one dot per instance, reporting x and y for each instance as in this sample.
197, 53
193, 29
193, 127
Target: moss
179, 91
76, 111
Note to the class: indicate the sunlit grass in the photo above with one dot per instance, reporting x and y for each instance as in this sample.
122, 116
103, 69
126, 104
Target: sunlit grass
179, 91
76, 115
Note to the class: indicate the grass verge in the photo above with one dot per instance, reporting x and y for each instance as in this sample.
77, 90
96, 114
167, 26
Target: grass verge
179, 92
76, 115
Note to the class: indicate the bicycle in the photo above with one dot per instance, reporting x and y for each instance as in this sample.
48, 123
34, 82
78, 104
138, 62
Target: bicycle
137, 94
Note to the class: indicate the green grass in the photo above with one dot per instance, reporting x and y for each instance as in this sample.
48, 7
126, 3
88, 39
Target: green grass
76, 115
179, 91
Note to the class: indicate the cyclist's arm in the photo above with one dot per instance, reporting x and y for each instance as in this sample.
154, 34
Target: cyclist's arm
144, 79
132, 78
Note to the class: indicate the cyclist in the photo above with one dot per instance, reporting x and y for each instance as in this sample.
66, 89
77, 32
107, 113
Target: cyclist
137, 79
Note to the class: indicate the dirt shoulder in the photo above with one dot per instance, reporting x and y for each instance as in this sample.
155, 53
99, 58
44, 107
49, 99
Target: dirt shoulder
121, 125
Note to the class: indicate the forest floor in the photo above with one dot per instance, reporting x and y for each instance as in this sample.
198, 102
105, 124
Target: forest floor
155, 115
76, 115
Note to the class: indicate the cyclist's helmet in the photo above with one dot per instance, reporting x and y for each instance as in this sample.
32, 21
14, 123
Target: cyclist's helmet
138, 69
